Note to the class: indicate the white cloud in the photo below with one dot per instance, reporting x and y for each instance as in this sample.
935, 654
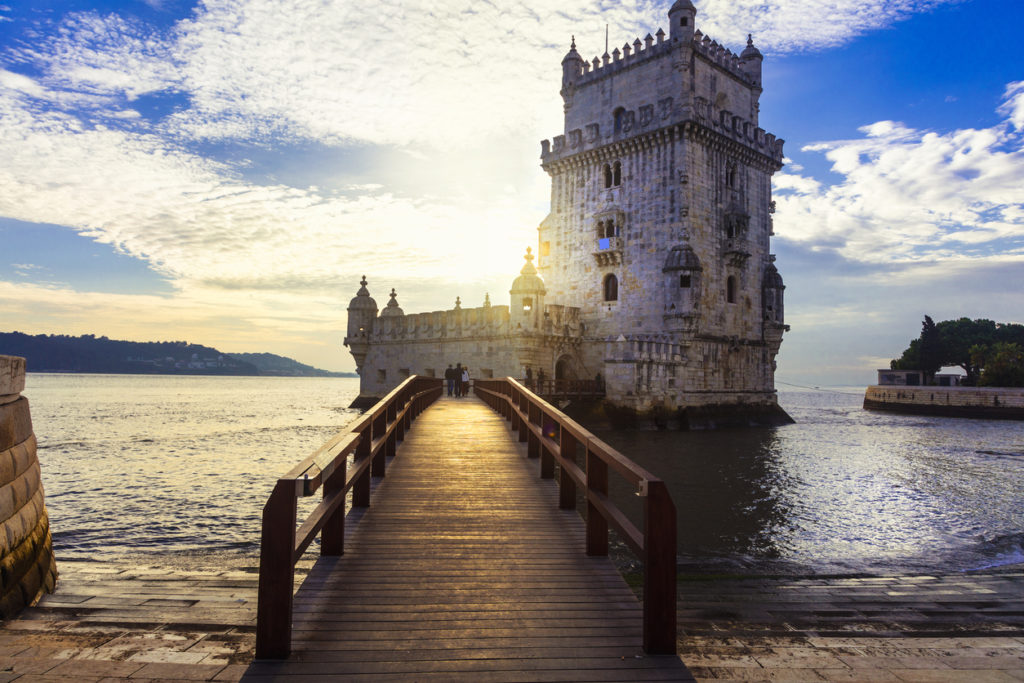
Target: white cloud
914, 195
799, 25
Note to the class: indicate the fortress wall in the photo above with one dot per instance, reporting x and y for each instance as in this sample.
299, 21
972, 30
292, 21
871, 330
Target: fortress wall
27, 565
978, 402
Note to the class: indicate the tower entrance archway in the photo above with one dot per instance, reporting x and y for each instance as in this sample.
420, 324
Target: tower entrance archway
565, 368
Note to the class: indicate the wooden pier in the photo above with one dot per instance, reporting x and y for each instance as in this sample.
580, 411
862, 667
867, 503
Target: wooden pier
465, 565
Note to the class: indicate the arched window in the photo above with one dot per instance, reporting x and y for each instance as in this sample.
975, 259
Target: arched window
611, 287
617, 174
619, 114
730, 176
607, 176
730, 289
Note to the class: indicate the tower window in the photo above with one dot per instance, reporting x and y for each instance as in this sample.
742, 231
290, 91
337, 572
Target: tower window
527, 304
618, 115
730, 289
684, 281
382, 375
683, 21
607, 176
730, 176
617, 174
611, 287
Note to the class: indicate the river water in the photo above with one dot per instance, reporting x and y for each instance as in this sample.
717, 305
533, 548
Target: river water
176, 470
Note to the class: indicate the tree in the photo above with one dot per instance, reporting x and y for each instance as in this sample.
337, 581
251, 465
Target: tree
931, 350
1004, 366
978, 346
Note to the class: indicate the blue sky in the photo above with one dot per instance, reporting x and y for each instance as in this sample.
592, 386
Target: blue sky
225, 171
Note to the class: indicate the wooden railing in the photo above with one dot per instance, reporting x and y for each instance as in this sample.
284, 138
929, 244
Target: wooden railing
553, 437
372, 439
566, 388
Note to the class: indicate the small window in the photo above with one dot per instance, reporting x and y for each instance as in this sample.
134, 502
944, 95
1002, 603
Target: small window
617, 174
403, 373
730, 176
619, 115
684, 21
730, 289
429, 372
527, 304
611, 287
684, 281
382, 375
607, 176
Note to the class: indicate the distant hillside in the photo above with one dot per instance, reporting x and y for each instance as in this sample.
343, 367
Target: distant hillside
272, 364
89, 353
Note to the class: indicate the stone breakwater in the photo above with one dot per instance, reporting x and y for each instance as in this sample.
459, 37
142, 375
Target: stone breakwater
27, 566
976, 402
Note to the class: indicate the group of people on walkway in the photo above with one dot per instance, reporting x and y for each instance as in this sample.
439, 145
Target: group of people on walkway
457, 379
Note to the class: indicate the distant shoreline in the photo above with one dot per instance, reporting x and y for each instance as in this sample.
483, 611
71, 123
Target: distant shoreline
196, 373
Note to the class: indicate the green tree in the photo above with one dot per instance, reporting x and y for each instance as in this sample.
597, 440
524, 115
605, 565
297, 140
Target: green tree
958, 338
1004, 366
931, 350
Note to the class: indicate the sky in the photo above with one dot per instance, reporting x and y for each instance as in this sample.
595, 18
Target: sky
225, 171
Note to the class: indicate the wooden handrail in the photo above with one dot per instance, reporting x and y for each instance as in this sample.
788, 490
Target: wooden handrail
553, 437
372, 438
549, 386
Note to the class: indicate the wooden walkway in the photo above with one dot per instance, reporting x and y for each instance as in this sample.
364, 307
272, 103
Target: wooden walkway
464, 569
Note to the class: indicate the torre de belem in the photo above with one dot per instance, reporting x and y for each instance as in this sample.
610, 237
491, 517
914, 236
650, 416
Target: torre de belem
653, 268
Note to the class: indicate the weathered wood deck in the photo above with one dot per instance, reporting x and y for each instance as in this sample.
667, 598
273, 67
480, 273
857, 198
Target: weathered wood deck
464, 569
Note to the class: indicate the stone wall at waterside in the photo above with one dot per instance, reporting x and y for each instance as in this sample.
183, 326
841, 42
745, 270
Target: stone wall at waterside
27, 565
977, 402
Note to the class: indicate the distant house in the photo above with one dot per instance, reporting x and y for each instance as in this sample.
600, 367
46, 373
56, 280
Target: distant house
915, 378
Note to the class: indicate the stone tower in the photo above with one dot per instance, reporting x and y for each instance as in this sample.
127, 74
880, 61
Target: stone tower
362, 313
654, 269
660, 224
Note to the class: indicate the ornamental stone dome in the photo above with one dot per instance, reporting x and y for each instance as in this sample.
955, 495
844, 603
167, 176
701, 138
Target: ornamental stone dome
362, 300
681, 257
682, 4
392, 309
528, 280
772, 279
750, 52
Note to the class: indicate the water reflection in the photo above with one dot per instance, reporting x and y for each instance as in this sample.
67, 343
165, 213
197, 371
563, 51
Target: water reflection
842, 491
733, 497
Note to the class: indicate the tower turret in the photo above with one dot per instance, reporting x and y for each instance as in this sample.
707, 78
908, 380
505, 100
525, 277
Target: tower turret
681, 17
751, 61
392, 310
572, 69
527, 295
362, 313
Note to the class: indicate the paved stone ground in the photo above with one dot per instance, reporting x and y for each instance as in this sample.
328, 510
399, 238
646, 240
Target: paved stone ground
113, 623
962, 627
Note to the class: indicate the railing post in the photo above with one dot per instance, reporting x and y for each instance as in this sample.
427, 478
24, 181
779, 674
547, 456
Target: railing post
524, 406
597, 525
380, 425
566, 484
391, 444
659, 571
533, 441
361, 487
332, 536
277, 574
547, 460
513, 414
